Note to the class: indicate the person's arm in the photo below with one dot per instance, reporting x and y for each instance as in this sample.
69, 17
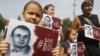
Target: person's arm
62, 52
77, 24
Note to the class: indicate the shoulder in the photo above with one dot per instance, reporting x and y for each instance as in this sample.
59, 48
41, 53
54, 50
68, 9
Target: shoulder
94, 14
76, 19
64, 44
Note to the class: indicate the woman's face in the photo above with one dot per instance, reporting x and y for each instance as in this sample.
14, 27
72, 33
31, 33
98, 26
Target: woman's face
50, 11
87, 9
73, 35
32, 13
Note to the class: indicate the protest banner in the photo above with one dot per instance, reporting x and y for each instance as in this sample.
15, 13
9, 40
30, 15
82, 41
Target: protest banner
92, 32
80, 50
77, 49
73, 46
51, 22
27, 39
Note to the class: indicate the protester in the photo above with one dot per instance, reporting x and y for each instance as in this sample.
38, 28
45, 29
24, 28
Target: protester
31, 13
69, 37
49, 20
54, 22
92, 46
49, 9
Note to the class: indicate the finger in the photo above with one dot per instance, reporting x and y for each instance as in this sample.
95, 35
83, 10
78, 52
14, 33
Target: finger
56, 50
4, 45
3, 49
4, 42
56, 54
3, 52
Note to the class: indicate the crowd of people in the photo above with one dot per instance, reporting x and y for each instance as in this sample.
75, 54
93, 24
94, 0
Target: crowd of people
33, 13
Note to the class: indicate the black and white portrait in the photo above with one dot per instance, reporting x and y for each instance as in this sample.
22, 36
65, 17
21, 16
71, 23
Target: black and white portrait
88, 28
20, 39
47, 20
88, 31
74, 50
73, 46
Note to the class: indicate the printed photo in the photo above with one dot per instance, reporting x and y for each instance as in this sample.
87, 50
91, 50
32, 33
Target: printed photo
20, 35
73, 46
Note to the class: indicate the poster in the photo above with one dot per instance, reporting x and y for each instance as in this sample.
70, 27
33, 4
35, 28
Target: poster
92, 32
88, 31
73, 46
80, 49
30, 40
77, 49
51, 22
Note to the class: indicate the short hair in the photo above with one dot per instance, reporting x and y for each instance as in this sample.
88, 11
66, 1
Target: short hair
86, 2
92, 1
47, 6
21, 27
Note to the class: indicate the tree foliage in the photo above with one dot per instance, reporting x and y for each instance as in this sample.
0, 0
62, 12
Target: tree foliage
66, 23
2, 23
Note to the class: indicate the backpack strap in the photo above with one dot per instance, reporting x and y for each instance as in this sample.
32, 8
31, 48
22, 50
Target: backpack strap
88, 21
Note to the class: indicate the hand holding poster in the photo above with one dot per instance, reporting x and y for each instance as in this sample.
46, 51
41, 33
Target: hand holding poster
30, 40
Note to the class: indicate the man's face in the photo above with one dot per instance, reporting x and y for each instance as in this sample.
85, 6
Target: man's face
20, 38
47, 20
74, 47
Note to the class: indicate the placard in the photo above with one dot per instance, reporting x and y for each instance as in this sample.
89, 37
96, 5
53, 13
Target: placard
27, 39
